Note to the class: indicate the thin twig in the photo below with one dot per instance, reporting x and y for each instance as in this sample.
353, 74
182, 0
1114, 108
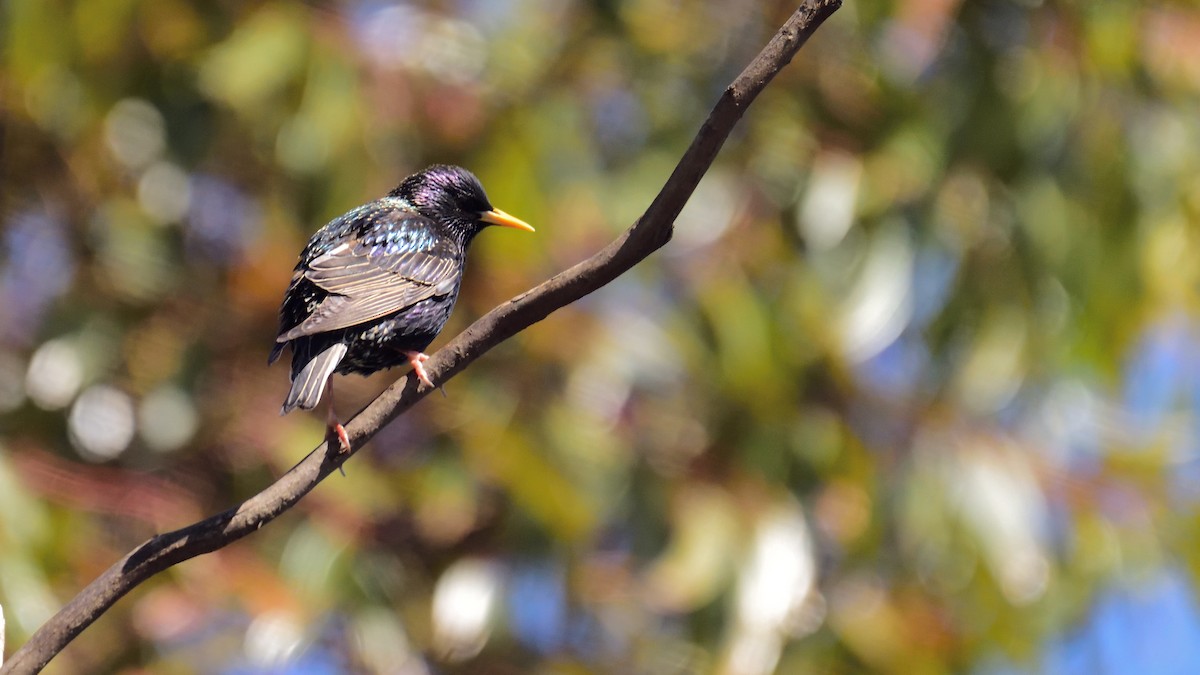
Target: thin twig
648, 234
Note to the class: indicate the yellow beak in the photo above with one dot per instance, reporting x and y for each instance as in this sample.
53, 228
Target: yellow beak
498, 217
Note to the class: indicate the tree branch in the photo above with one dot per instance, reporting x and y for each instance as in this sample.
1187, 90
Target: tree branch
648, 234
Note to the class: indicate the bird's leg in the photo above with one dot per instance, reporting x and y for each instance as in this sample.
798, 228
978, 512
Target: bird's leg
417, 359
335, 427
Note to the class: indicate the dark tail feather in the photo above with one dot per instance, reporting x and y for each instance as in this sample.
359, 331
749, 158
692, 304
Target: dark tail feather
309, 383
275, 352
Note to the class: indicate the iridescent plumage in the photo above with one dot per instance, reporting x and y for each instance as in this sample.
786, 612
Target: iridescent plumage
376, 285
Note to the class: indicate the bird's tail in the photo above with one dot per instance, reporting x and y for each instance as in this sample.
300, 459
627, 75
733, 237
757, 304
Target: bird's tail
309, 383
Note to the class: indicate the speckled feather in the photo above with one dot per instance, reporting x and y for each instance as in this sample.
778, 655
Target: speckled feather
381, 280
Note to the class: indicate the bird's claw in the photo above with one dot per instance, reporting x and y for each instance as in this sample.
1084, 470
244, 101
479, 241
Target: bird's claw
337, 431
417, 359
343, 440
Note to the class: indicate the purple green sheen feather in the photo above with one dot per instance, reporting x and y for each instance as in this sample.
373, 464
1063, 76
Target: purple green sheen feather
381, 279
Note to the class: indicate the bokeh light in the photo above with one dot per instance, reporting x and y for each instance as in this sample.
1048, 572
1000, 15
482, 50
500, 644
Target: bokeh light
101, 423
464, 600
55, 374
135, 132
167, 418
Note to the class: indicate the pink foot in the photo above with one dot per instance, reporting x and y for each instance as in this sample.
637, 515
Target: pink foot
331, 421
339, 432
417, 359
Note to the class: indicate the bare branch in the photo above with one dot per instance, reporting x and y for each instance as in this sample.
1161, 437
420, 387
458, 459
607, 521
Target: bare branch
648, 234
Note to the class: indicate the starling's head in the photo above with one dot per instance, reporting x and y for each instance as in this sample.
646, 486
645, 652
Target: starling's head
453, 196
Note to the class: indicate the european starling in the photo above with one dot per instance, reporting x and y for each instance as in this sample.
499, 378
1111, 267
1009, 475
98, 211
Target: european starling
375, 286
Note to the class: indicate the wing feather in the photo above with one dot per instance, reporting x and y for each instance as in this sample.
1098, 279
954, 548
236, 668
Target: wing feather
394, 265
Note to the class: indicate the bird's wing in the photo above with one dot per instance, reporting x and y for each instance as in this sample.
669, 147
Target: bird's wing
388, 267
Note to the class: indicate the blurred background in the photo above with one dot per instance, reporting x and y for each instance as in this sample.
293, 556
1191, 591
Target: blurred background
914, 389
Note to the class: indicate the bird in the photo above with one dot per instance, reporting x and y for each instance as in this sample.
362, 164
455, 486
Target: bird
375, 286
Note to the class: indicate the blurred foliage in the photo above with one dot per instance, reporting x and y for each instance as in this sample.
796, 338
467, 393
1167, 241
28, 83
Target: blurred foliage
914, 389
